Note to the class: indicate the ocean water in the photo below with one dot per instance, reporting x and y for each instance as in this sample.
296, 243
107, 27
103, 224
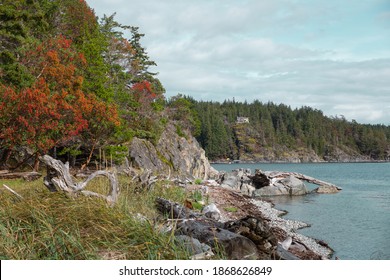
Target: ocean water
354, 222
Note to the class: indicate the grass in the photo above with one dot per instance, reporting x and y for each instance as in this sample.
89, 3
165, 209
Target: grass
48, 225
231, 209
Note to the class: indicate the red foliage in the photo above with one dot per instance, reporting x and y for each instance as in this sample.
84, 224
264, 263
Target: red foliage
54, 109
36, 118
143, 92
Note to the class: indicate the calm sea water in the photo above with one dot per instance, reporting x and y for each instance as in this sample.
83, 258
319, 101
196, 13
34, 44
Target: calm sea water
354, 222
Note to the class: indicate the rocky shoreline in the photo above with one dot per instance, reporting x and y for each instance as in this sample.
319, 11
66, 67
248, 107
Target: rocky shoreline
290, 227
234, 206
358, 160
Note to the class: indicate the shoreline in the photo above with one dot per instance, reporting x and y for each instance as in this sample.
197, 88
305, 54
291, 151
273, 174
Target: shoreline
304, 247
294, 162
291, 227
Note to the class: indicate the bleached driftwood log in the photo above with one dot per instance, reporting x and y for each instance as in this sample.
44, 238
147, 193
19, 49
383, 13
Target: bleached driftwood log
146, 179
61, 179
12, 191
278, 174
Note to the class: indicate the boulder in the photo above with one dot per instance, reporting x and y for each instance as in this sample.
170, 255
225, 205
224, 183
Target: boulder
235, 179
285, 186
326, 189
235, 246
192, 245
211, 211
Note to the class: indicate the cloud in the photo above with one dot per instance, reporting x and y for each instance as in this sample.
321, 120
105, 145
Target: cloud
330, 55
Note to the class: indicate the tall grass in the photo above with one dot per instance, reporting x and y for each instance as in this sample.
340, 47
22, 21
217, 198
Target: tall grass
46, 225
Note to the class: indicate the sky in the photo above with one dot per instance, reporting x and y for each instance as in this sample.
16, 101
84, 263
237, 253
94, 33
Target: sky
331, 55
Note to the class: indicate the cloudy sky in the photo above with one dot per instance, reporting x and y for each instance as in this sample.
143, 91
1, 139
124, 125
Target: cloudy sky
328, 54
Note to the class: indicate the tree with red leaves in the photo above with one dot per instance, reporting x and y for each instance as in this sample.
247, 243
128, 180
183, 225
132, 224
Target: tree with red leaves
55, 109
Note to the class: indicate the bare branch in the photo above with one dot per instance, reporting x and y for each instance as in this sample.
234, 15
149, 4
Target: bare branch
12, 191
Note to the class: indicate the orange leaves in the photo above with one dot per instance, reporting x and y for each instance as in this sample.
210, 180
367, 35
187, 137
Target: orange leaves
143, 92
57, 62
38, 118
54, 109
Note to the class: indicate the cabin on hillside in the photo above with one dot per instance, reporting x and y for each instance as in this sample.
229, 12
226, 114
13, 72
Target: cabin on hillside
242, 120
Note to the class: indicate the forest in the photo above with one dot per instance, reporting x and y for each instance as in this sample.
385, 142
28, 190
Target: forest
275, 131
73, 85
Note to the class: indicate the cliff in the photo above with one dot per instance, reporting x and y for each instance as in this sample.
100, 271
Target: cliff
173, 154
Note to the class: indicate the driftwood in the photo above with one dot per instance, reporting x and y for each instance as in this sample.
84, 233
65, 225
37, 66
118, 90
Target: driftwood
59, 177
12, 191
278, 174
28, 176
146, 180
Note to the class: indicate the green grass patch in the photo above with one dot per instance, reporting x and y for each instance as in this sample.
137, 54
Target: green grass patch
231, 209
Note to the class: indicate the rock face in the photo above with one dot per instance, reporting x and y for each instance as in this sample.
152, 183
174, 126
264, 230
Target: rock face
173, 155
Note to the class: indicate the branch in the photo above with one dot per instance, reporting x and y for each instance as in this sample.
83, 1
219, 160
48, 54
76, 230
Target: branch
12, 191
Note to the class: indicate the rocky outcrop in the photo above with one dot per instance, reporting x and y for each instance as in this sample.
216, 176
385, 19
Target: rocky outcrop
272, 183
260, 184
173, 154
285, 186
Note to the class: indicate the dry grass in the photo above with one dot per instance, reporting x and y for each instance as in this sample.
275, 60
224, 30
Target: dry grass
48, 225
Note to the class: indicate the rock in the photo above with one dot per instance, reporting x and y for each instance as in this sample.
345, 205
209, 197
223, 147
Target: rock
286, 243
235, 246
230, 181
285, 186
173, 155
257, 230
192, 245
284, 254
235, 179
326, 189
247, 189
295, 186
211, 211
260, 180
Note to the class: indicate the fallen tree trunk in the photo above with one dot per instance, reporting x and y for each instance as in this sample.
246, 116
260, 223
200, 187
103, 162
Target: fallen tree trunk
59, 177
28, 176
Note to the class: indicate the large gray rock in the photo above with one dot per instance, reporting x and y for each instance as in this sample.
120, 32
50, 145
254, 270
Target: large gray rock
235, 179
173, 155
285, 186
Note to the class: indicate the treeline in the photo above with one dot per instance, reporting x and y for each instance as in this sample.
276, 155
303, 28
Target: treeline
277, 127
71, 82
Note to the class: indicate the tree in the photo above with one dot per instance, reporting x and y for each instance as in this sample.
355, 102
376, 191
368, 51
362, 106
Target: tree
22, 23
55, 109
